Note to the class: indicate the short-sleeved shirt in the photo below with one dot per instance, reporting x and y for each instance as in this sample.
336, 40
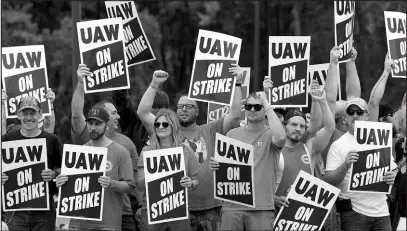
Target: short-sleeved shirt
118, 168
123, 141
191, 169
266, 156
368, 204
292, 160
201, 139
54, 151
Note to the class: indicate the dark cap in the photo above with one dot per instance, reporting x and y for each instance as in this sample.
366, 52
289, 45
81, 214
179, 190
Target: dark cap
280, 110
385, 109
28, 102
292, 113
98, 113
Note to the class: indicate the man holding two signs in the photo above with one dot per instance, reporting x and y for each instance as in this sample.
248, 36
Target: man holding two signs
359, 210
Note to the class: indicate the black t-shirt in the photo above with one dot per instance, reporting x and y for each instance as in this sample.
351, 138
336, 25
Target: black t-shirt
54, 150
130, 123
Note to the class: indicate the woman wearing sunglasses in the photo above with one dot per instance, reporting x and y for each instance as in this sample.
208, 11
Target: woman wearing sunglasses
167, 135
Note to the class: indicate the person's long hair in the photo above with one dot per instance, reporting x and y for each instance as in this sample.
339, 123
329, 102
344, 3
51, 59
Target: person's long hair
172, 119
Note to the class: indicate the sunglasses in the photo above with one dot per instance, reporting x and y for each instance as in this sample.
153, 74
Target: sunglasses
351, 112
158, 124
257, 107
187, 106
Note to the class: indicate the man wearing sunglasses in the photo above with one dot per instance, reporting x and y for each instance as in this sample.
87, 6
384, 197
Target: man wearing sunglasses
204, 208
359, 211
267, 141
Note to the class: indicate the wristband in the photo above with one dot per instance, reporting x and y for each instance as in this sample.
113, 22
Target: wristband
153, 87
110, 184
238, 84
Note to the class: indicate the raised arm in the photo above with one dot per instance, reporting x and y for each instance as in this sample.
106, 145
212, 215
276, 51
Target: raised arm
378, 90
146, 103
276, 127
323, 136
315, 113
234, 114
78, 119
352, 77
3, 112
49, 121
332, 79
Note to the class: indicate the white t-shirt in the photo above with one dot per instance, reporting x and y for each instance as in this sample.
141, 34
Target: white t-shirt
368, 204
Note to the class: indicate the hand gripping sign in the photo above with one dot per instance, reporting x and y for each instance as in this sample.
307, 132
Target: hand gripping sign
81, 197
311, 200
211, 80
344, 16
24, 72
23, 161
138, 48
167, 200
375, 152
101, 45
217, 111
396, 41
320, 73
288, 69
234, 180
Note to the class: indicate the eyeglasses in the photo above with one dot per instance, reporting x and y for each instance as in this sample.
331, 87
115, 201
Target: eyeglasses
257, 107
351, 112
158, 124
187, 106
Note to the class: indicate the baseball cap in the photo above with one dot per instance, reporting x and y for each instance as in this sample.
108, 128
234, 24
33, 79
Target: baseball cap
99, 114
292, 113
361, 103
28, 102
280, 110
385, 109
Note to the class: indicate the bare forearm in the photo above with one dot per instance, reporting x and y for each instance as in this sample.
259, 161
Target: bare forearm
49, 121
78, 101
352, 81
121, 186
378, 90
331, 83
327, 120
315, 120
276, 126
336, 176
236, 103
3, 120
146, 103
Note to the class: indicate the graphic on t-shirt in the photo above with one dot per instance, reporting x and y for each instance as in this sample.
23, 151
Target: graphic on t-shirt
199, 148
305, 158
109, 166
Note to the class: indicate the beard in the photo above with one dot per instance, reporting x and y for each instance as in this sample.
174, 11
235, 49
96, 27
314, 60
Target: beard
296, 137
186, 123
96, 135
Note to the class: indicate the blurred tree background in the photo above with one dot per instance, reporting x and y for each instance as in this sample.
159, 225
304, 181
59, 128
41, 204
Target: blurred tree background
172, 28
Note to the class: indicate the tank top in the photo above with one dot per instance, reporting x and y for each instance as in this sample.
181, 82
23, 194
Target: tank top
293, 160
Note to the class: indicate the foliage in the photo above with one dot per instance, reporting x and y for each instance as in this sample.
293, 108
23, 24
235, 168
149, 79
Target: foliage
172, 28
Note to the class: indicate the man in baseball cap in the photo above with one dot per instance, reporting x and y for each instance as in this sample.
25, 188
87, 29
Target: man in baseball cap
29, 113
